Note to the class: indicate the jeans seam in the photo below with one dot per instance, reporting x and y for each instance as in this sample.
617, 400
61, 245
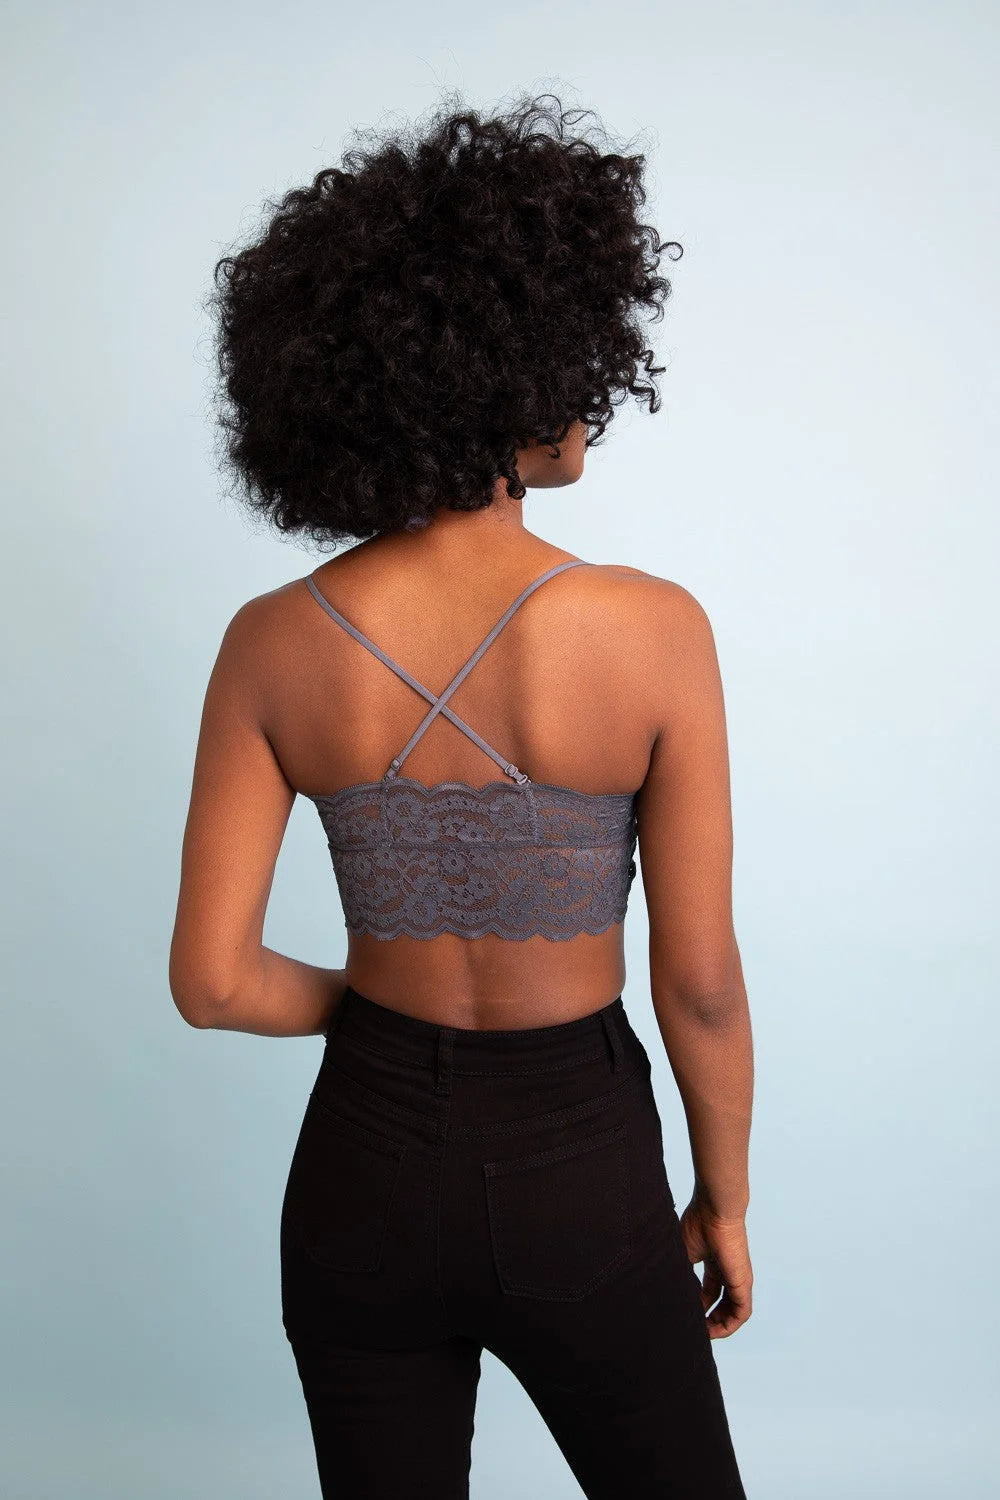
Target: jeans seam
442, 1139
571, 1112
476, 1072
514, 1072
374, 1139
391, 1107
536, 1030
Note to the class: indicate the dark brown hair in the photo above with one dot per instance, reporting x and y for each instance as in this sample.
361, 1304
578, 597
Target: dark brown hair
402, 325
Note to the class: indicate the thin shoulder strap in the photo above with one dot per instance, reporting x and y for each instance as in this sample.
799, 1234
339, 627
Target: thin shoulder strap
439, 702
425, 692
365, 641
439, 705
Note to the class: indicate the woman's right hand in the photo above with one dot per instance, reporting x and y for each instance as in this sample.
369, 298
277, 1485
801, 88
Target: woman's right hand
722, 1245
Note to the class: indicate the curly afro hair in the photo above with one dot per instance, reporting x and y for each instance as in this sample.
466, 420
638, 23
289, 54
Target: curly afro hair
400, 327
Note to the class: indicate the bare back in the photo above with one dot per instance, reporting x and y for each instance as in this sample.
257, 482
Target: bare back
565, 691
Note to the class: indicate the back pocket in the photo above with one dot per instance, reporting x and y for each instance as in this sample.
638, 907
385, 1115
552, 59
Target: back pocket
560, 1219
340, 1188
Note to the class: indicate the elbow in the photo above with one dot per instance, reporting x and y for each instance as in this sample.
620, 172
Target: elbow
711, 1009
713, 1001
199, 1010
201, 1017
201, 1005
707, 990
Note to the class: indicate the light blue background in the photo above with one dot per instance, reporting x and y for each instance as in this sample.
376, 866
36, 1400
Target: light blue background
822, 477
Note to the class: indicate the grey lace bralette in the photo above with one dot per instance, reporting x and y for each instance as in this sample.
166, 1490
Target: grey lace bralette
515, 857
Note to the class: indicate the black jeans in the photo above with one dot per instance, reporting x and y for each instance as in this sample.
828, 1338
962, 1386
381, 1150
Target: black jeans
453, 1190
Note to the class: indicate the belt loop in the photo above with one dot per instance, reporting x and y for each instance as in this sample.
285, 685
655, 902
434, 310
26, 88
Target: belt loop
445, 1046
614, 1040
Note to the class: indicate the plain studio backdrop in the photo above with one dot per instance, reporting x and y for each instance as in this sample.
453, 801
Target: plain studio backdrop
822, 476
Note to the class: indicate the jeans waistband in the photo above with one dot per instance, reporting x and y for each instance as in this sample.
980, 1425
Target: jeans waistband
457, 1049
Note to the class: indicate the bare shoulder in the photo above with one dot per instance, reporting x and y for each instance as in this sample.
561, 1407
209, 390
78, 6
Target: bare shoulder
260, 633
654, 603
662, 634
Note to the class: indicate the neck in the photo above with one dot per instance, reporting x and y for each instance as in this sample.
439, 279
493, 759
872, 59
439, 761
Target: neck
452, 534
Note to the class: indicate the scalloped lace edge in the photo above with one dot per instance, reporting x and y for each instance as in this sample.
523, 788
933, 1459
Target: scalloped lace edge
404, 929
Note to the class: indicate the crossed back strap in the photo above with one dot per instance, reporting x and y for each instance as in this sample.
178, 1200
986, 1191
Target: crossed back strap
439, 702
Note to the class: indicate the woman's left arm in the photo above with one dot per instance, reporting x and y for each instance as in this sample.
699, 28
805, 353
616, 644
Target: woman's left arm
221, 975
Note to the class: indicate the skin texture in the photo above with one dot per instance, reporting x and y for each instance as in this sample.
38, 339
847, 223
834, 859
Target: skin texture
606, 680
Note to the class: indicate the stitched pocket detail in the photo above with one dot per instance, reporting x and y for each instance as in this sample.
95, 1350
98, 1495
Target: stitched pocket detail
341, 1185
560, 1219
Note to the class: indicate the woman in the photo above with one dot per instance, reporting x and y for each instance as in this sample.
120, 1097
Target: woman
486, 724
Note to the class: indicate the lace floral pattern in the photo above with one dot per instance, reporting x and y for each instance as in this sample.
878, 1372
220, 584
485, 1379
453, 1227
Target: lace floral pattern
517, 860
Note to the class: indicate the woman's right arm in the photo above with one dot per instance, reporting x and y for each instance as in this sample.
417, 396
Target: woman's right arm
696, 979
